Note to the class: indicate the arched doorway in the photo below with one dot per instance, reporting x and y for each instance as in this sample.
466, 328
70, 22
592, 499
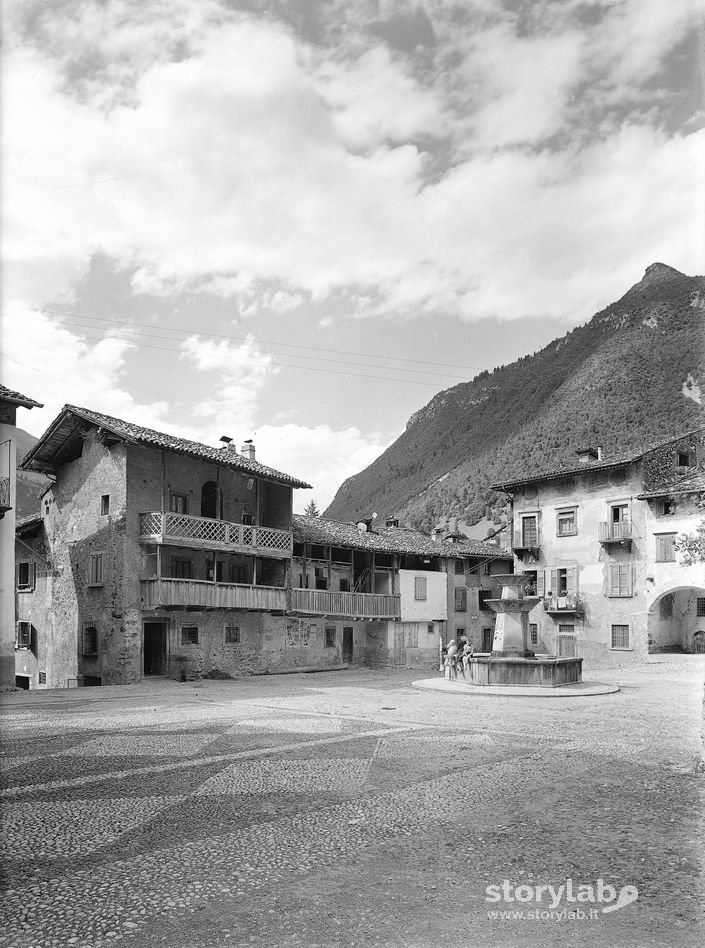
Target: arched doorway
210, 500
676, 621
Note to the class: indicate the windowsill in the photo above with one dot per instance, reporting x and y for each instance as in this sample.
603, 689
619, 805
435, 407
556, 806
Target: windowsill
25, 589
95, 585
22, 648
573, 533
621, 648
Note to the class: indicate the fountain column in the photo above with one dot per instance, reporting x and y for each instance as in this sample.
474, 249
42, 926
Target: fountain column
511, 634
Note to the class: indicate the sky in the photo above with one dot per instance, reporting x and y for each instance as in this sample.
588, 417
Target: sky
298, 221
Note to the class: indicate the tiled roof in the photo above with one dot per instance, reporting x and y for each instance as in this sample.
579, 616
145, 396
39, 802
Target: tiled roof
684, 485
386, 540
136, 434
26, 522
582, 468
8, 395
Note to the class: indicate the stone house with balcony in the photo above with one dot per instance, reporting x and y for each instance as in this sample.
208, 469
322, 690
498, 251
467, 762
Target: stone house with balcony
598, 540
390, 595
155, 554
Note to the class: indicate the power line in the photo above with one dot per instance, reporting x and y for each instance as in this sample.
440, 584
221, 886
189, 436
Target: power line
189, 331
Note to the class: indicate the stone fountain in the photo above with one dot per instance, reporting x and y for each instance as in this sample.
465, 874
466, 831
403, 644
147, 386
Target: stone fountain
512, 662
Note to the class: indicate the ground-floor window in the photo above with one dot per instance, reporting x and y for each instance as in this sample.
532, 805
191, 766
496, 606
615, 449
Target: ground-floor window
534, 633
330, 636
232, 634
619, 637
566, 641
189, 635
700, 606
487, 637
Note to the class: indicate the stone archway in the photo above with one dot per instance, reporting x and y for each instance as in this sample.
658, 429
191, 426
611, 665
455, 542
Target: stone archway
676, 620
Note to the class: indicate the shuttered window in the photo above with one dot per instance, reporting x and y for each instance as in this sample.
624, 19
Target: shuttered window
420, 587
95, 570
666, 548
23, 635
26, 573
620, 579
461, 599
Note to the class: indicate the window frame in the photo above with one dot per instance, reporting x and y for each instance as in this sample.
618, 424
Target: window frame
186, 636
177, 499
420, 589
23, 635
622, 626
105, 505
699, 606
181, 564
482, 596
96, 577
660, 539
460, 599
562, 512
31, 582
619, 585
232, 634
89, 640
331, 633
533, 633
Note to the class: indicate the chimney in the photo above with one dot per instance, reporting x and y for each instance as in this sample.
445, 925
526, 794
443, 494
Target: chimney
391, 522
248, 450
600, 453
588, 455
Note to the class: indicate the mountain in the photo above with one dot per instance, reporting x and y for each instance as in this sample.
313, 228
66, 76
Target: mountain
630, 376
30, 485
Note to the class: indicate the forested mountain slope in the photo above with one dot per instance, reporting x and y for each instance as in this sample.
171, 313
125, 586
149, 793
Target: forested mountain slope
630, 376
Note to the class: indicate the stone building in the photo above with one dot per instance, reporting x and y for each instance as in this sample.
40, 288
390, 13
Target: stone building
599, 542
152, 554
10, 401
387, 596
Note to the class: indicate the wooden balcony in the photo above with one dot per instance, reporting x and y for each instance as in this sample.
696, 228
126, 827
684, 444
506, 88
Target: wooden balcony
620, 532
348, 604
194, 593
559, 605
526, 542
176, 529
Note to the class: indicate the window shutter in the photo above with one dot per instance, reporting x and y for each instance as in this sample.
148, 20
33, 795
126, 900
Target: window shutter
627, 579
540, 583
571, 581
614, 579
33, 644
32, 575
17, 635
554, 582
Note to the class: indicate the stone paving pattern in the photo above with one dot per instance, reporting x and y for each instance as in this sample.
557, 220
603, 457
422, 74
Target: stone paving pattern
348, 809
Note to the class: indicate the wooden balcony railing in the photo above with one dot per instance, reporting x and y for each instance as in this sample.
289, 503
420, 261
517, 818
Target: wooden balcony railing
615, 532
193, 592
362, 605
202, 532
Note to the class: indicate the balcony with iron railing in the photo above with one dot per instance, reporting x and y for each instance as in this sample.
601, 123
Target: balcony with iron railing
570, 602
526, 541
347, 604
615, 532
178, 529
194, 593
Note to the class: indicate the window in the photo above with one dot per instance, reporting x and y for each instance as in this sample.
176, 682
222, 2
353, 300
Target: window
95, 570
89, 640
685, 459
330, 636
620, 579
487, 639
321, 577
666, 607
619, 636
668, 508
461, 599
178, 503
534, 633
232, 634
189, 635
486, 570
42, 678
567, 522
26, 575
24, 635
459, 567
431, 629
666, 548
482, 596
420, 586
344, 585
529, 531
181, 569
700, 606
105, 505
563, 581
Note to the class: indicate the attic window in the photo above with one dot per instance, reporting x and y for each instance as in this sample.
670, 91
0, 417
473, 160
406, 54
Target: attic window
685, 459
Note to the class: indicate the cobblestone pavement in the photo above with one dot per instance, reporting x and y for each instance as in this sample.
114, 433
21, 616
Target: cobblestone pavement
350, 809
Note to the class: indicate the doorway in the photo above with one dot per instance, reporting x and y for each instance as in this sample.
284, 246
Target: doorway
154, 649
347, 644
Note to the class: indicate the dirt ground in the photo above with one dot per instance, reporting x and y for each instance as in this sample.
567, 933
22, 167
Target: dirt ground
352, 809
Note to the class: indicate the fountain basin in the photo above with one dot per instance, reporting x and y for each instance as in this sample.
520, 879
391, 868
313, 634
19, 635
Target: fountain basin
485, 671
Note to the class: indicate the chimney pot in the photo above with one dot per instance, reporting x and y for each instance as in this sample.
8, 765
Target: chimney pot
248, 451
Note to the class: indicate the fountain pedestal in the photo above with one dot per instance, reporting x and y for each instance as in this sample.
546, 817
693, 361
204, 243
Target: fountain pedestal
512, 662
